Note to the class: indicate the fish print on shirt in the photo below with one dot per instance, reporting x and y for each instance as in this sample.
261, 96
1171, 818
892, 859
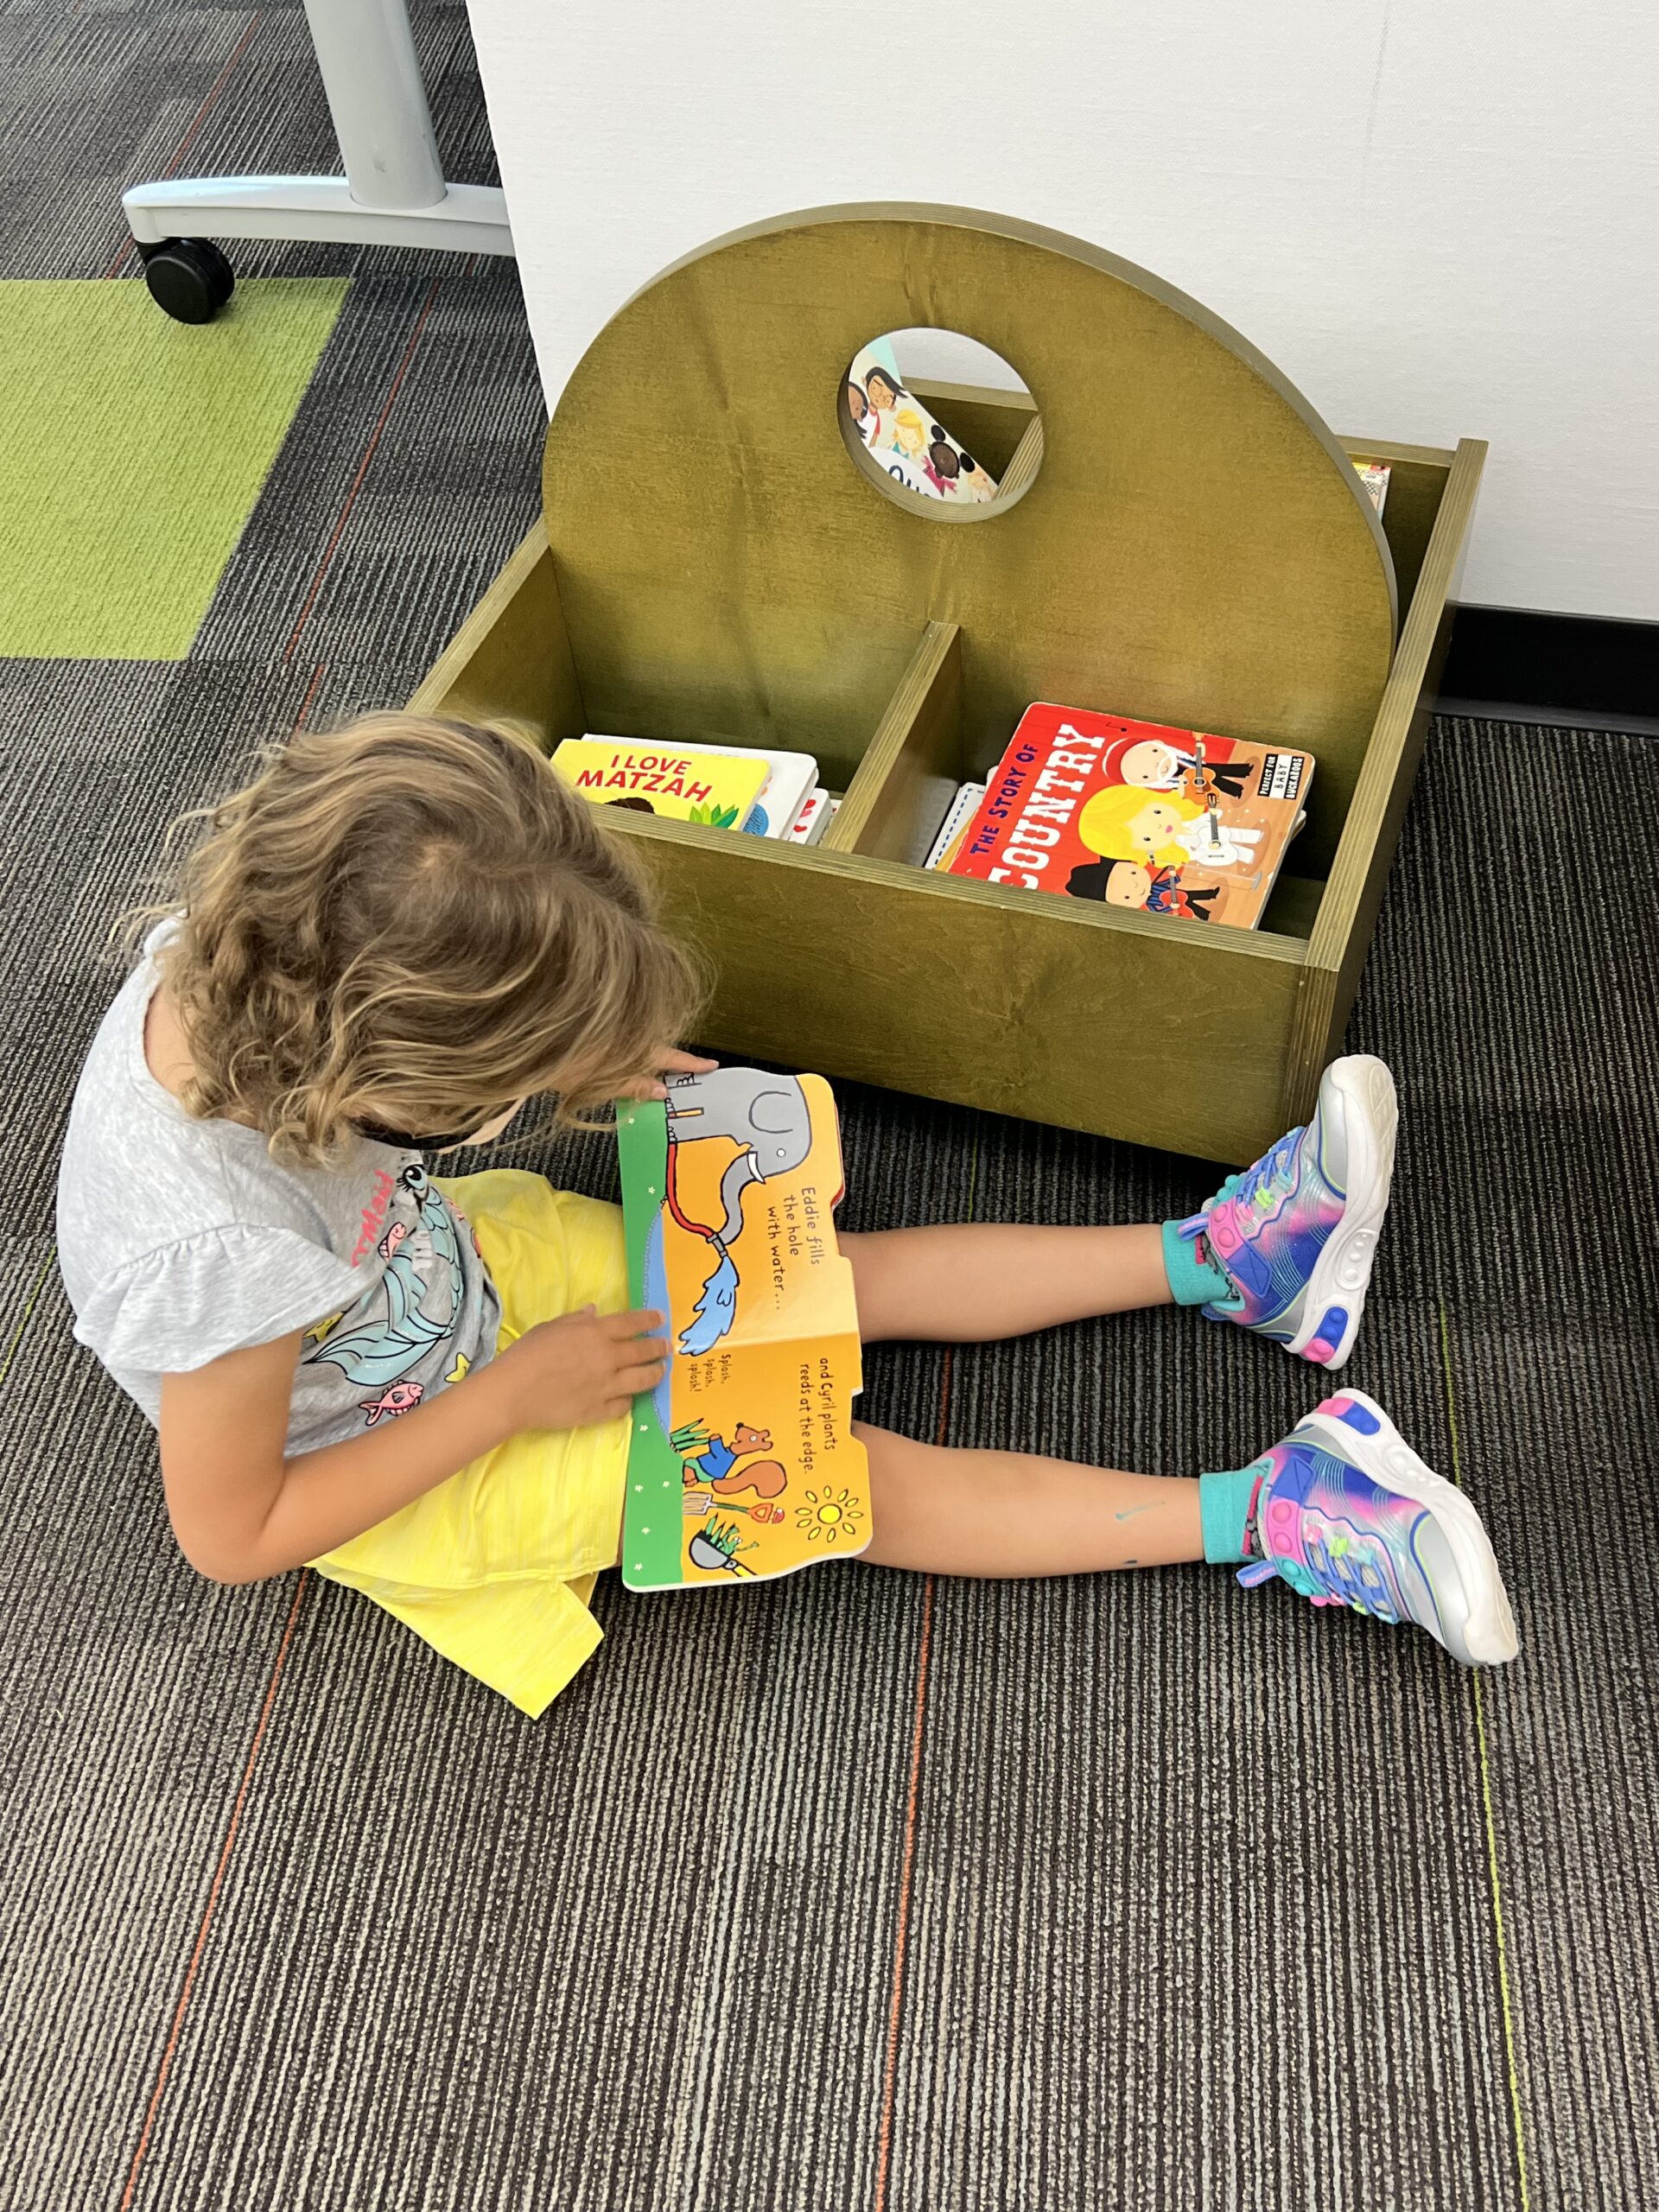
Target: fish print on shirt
423, 1256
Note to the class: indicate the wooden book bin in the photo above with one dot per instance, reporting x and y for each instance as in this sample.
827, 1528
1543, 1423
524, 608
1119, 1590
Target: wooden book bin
1183, 540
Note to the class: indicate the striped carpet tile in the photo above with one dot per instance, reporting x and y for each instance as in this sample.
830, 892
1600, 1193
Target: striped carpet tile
863, 1889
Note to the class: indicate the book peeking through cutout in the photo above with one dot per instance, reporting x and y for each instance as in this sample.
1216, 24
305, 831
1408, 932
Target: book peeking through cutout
1374, 476
742, 1464
1161, 821
903, 435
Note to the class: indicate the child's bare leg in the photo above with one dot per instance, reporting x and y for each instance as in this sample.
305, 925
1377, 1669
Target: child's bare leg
977, 1281
1015, 1514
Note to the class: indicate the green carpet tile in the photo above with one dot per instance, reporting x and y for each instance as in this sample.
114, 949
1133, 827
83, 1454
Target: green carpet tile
133, 450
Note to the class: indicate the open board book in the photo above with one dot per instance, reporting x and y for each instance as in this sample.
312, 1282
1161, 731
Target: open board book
742, 1464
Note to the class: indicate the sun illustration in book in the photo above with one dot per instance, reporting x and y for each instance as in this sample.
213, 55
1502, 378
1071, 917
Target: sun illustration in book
831, 1516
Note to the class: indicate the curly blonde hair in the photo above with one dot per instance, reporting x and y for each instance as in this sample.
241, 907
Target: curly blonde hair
413, 922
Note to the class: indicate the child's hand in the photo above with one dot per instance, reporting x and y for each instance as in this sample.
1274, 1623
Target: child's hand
583, 1368
669, 1064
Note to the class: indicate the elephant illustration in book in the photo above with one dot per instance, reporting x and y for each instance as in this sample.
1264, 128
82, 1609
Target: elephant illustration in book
767, 1118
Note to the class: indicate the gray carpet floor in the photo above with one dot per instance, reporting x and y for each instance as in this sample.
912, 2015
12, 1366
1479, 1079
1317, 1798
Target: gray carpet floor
861, 1890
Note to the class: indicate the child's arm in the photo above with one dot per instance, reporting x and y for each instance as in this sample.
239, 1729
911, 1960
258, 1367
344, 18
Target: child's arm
241, 1510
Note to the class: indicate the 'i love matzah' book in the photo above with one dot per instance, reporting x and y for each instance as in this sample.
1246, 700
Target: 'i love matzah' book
680, 780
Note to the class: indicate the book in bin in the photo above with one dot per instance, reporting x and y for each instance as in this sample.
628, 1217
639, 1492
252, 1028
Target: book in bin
679, 780
818, 811
1161, 821
790, 781
742, 1463
1374, 476
647, 770
958, 820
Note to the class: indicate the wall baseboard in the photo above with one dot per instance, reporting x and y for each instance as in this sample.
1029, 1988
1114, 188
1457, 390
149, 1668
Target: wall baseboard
1588, 671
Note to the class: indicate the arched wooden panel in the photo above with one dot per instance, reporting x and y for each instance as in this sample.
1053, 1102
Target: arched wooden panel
1195, 548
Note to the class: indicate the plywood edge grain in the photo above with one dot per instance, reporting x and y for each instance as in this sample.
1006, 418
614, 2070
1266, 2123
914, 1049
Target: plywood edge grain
973, 395
1021, 471
1388, 449
1342, 928
920, 735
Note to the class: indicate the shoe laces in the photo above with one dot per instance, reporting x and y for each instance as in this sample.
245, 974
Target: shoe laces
1302, 1580
1306, 1580
1273, 1166
1262, 1567
1276, 1166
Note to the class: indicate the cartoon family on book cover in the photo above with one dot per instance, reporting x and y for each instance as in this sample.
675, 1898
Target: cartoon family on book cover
742, 1463
1163, 821
902, 435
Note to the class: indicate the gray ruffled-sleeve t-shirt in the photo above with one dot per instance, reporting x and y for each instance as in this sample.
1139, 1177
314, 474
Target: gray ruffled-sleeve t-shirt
181, 1240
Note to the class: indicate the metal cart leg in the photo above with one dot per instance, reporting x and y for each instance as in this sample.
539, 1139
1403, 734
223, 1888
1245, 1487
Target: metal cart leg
393, 192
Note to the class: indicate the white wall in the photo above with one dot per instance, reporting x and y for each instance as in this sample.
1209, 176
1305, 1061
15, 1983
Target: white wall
1440, 218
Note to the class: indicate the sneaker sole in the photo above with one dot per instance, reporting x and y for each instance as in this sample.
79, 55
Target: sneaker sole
1342, 1273
1486, 1636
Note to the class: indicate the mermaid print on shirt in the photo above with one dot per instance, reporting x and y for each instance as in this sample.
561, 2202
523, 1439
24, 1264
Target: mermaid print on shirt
378, 1351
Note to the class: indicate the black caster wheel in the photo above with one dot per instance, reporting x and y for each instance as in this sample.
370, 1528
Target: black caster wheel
188, 278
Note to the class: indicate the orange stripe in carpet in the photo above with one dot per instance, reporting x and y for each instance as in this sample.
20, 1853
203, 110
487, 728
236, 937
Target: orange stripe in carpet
362, 470
184, 144
226, 1849
310, 694
884, 2141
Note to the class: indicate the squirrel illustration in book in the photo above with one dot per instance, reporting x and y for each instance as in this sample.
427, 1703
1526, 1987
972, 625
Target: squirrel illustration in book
729, 1469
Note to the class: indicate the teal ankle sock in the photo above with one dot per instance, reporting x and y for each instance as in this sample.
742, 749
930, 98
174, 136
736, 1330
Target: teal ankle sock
1225, 1513
1193, 1281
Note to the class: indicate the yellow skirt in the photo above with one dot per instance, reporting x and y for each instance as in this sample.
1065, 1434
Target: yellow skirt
495, 1567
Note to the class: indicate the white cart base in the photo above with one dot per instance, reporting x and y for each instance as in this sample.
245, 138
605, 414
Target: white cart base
393, 192
468, 219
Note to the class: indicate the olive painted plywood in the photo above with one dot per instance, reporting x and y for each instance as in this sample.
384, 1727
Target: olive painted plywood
1193, 545
1193, 548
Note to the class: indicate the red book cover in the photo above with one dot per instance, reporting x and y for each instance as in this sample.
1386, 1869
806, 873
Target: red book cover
1136, 814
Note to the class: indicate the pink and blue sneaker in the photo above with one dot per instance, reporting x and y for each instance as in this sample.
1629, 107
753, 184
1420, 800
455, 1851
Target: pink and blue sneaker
1346, 1512
1295, 1233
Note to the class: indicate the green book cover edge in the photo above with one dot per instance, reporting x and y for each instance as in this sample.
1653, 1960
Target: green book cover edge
652, 1516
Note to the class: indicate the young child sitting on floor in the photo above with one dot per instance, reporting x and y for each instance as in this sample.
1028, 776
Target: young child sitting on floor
381, 947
